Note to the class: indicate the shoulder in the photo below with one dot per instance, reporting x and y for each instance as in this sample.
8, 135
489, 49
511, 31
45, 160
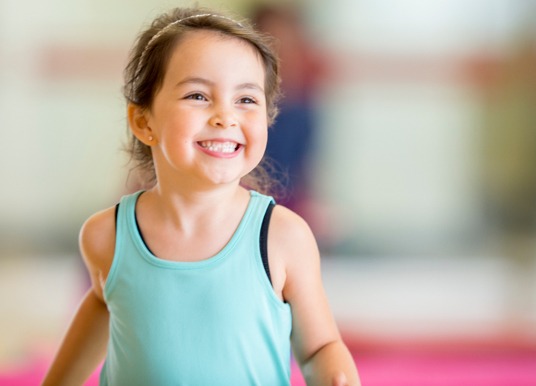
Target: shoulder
292, 245
97, 244
292, 252
290, 231
98, 233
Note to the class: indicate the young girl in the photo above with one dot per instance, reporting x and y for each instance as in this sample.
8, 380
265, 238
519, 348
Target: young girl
197, 280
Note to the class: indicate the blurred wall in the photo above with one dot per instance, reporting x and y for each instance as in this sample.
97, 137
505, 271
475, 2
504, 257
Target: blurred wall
398, 162
406, 119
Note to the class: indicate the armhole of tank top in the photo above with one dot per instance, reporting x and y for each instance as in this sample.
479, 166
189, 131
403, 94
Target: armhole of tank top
110, 279
263, 240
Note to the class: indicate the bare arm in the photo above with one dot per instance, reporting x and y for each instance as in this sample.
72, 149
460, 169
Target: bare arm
331, 365
84, 344
323, 357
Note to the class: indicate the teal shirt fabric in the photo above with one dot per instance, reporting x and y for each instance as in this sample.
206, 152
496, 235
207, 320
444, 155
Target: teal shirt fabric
210, 322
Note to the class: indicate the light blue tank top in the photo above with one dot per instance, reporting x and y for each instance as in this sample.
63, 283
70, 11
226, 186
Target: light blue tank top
206, 323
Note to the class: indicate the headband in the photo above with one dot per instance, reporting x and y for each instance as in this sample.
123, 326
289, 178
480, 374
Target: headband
167, 27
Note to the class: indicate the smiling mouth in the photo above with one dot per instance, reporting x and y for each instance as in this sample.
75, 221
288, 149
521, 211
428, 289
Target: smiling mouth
220, 147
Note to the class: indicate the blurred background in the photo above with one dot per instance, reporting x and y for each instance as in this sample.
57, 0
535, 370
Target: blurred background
408, 136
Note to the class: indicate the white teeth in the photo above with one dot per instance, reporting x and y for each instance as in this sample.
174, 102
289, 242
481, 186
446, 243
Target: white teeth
219, 147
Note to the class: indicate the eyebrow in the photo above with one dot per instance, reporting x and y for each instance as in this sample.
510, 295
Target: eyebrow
206, 82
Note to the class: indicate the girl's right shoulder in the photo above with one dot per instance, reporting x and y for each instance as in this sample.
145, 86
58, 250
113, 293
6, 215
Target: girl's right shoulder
97, 244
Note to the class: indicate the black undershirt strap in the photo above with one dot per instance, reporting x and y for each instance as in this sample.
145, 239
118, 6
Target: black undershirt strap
263, 239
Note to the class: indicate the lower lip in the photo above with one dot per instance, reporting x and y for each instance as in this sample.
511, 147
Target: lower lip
218, 154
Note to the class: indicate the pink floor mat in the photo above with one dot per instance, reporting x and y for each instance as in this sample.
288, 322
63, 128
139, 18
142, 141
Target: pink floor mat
506, 367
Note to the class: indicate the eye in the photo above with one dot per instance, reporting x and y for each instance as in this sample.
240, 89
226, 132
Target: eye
196, 96
247, 100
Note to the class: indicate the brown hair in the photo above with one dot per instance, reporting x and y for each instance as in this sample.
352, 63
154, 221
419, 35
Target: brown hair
144, 73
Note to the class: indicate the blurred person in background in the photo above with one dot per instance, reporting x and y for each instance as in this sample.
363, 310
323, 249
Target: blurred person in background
510, 172
292, 137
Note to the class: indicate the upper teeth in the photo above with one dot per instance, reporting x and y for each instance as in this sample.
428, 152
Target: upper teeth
220, 147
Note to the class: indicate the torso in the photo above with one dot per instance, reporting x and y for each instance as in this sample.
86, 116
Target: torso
191, 303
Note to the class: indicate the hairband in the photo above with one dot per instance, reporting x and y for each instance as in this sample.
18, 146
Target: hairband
167, 27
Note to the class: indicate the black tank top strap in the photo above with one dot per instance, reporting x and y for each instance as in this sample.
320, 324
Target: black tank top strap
264, 239
116, 212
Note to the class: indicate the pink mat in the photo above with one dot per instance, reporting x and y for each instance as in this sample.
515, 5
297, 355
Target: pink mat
32, 374
448, 369
508, 367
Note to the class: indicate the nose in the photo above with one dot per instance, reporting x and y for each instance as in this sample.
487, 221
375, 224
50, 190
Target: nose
223, 118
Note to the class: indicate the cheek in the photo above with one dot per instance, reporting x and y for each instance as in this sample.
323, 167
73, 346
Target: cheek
257, 129
262, 129
262, 139
257, 144
263, 136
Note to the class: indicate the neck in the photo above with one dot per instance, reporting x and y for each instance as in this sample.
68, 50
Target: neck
187, 210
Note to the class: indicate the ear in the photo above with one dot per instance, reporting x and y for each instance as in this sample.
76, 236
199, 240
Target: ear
138, 123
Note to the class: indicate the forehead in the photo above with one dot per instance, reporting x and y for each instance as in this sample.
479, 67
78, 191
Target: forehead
199, 45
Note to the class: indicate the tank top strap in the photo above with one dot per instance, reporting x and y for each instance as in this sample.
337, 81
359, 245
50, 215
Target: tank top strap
259, 204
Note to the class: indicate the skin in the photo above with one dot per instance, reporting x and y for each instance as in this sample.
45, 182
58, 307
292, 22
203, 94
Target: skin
212, 94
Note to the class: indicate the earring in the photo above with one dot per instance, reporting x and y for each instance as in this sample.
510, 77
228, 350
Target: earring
150, 138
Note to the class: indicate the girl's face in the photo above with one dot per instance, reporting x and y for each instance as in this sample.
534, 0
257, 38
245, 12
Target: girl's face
208, 121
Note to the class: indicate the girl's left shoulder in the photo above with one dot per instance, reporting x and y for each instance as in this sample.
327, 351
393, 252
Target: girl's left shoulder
289, 223
290, 237
292, 253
